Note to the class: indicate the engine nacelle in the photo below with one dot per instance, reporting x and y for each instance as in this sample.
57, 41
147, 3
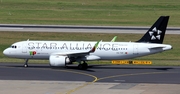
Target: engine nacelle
57, 61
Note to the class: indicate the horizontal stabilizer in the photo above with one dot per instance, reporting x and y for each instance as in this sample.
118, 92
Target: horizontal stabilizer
156, 46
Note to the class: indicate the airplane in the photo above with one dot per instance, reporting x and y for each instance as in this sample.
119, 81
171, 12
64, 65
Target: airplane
63, 53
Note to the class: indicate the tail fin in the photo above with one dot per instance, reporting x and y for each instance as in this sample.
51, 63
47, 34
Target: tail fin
156, 33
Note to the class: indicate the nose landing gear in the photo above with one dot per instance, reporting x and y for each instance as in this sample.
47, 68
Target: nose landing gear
26, 63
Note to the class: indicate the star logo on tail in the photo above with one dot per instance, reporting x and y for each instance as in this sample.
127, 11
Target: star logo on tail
155, 34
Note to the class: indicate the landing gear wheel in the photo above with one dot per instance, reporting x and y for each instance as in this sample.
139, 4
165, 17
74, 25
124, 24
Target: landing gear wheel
25, 65
80, 66
83, 66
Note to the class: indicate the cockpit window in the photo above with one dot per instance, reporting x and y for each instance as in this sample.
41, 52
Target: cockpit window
13, 46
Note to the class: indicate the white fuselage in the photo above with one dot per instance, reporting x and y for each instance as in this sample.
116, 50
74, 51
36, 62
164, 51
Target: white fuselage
104, 51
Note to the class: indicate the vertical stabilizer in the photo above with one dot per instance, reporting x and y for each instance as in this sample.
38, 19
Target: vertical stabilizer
156, 33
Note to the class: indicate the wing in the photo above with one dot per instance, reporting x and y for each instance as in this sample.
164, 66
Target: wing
77, 53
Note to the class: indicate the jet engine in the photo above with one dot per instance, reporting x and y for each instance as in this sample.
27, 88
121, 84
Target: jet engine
57, 61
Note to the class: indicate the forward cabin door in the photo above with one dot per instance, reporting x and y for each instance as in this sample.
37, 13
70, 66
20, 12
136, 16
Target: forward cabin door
24, 48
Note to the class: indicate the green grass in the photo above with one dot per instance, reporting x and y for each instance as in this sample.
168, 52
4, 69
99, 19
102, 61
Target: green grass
85, 12
171, 57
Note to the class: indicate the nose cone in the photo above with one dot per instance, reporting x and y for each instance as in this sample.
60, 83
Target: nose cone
6, 52
10, 52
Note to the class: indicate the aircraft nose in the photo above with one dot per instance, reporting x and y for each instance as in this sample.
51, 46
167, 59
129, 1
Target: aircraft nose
6, 52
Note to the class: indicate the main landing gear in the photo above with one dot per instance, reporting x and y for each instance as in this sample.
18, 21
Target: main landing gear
83, 66
26, 63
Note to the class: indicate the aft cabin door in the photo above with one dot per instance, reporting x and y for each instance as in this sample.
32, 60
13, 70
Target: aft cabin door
135, 49
24, 48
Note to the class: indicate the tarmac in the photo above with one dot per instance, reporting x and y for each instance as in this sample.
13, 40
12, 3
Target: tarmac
105, 79
71, 87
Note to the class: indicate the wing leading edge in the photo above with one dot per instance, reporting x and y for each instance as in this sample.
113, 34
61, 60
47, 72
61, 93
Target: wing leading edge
78, 53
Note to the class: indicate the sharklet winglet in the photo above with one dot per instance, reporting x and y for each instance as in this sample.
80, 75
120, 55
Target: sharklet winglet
95, 46
114, 39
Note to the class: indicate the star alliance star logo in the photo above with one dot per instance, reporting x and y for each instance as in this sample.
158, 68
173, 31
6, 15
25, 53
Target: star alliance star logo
155, 34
